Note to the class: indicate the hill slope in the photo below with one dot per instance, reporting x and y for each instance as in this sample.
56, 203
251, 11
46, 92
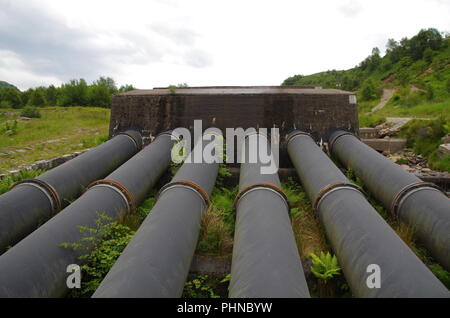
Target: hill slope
4, 84
411, 80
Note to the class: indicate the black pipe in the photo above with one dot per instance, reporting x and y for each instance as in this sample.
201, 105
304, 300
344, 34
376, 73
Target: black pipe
32, 202
266, 262
357, 233
420, 204
36, 266
156, 262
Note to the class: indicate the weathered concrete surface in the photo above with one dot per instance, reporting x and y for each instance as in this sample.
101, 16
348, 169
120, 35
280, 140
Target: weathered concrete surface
314, 110
390, 145
367, 133
318, 111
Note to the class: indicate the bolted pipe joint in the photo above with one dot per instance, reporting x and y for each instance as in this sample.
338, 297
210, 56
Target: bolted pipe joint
422, 205
36, 266
266, 262
157, 260
359, 236
32, 202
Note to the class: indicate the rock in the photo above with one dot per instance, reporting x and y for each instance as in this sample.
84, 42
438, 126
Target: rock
444, 150
405, 167
426, 170
446, 139
25, 118
424, 131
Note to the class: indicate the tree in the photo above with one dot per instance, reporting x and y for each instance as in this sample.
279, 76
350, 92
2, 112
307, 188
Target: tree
25, 96
99, 95
107, 82
51, 94
74, 93
126, 88
293, 80
426, 38
37, 98
11, 96
369, 90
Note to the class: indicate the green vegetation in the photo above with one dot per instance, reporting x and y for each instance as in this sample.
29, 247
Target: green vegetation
217, 228
425, 136
308, 232
204, 286
324, 268
100, 248
59, 131
11, 179
73, 93
30, 112
418, 69
103, 244
4, 84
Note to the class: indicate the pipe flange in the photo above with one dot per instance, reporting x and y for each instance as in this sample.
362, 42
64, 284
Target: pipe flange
333, 140
261, 185
188, 184
167, 132
136, 144
409, 189
121, 188
48, 190
293, 135
331, 187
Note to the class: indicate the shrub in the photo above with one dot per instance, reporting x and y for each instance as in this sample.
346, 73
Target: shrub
31, 112
99, 250
5, 104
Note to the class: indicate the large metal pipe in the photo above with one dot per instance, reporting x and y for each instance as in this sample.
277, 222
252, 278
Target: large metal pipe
36, 266
357, 233
156, 262
33, 201
420, 204
266, 262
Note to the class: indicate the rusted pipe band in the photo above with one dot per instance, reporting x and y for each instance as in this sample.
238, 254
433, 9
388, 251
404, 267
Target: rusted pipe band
331, 188
167, 132
121, 189
124, 133
47, 189
290, 137
188, 185
333, 140
261, 186
407, 191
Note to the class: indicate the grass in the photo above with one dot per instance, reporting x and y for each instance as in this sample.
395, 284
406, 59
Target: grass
9, 180
425, 136
217, 227
308, 232
60, 130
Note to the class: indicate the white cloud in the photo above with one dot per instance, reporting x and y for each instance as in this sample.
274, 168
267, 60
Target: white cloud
157, 43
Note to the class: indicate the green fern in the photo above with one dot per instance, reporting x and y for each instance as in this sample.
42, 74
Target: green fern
324, 266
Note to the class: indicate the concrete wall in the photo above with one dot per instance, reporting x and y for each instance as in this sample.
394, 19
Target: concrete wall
318, 111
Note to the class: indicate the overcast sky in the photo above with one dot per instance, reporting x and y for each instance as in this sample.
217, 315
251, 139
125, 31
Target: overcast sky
202, 43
